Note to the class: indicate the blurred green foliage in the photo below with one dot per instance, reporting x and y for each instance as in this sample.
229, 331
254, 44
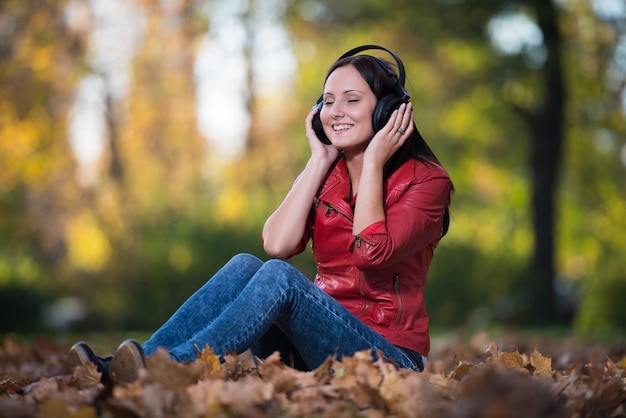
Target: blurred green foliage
164, 211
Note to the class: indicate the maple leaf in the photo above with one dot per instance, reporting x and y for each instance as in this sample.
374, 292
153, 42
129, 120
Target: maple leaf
209, 360
541, 365
512, 360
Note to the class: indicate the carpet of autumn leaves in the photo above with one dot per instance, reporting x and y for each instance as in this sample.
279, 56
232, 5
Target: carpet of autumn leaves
466, 376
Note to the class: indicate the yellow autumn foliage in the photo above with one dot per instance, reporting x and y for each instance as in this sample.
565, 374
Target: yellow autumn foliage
88, 247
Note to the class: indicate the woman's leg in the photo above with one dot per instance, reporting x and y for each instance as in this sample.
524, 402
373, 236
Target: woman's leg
206, 304
315, 323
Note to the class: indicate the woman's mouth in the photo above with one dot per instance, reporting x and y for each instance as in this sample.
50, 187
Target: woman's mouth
341, 128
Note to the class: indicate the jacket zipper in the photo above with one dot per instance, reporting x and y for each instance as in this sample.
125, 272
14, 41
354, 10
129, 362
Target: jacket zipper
358, 240
362, 291
330, 208
396, 287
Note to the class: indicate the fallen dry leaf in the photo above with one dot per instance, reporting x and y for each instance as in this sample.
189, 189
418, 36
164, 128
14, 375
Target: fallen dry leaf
512, 360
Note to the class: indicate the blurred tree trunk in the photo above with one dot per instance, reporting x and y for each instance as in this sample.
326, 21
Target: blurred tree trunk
116, 170
547, 133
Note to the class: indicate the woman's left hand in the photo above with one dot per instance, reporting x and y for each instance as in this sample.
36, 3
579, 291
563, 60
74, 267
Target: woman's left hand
391, 137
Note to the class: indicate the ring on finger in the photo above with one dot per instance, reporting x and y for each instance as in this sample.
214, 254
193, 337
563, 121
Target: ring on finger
400, 130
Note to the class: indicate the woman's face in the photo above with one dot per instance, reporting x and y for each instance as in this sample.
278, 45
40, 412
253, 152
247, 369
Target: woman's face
347, 111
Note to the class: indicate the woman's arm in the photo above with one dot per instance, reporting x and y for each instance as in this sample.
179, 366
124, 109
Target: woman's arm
284, 229
369, 207
413, 220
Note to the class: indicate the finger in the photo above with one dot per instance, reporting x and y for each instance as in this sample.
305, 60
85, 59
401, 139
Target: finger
406, 120
399, 126
392, 123
407, 115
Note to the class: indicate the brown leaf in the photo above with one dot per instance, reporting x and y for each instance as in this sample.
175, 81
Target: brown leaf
243, 398
462, 370
512, 360
13, 385
209, 360
542, 365
287, 380
87, 376
38, 391
498, 391
204, 400
170, 374
493, 350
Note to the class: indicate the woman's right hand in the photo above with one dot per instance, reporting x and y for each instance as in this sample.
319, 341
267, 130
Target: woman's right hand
318, 148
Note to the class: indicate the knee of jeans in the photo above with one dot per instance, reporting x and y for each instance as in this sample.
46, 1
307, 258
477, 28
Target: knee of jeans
280, 266
245, 258
275, 264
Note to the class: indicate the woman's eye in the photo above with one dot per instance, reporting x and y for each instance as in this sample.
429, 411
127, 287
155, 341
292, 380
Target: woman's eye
327, 103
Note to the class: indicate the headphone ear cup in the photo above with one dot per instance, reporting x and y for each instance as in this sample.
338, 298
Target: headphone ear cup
317, 124
383, 110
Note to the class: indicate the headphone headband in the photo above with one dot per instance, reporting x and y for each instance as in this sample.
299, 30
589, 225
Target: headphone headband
401, 73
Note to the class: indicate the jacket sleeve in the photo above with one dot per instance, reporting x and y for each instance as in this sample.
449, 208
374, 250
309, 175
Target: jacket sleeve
414, 219
306, 236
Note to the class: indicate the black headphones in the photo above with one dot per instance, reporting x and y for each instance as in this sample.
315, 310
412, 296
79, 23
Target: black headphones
385, 106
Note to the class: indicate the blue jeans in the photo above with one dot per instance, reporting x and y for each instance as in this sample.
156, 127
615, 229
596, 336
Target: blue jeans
266, 307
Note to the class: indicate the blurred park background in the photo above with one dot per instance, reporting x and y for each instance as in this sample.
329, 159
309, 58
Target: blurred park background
144, 142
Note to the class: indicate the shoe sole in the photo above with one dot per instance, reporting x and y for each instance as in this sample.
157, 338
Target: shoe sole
126, 362
79, 355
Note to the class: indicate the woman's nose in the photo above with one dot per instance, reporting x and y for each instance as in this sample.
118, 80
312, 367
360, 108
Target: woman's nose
336, 110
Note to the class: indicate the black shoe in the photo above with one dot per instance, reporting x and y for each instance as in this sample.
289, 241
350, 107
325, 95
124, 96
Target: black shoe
81, 354
128, 359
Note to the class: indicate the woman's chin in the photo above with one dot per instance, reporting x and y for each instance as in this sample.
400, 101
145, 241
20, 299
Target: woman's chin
347, 146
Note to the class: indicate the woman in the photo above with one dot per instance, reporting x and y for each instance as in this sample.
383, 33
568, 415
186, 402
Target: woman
373, 199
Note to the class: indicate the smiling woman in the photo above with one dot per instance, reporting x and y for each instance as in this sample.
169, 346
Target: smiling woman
348, 105
373, 202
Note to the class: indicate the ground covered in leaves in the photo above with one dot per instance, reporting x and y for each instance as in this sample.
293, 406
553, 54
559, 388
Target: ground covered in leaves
466, 376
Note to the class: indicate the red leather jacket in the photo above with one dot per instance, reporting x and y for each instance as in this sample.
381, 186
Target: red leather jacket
380, 274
